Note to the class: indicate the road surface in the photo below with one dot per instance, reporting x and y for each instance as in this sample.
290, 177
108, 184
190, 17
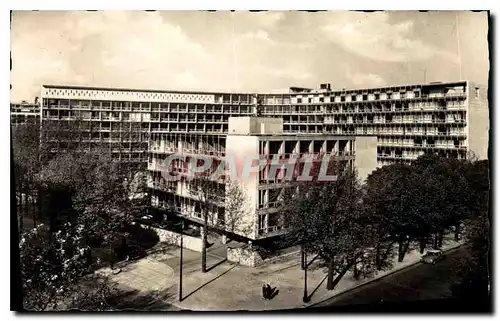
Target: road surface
418, 282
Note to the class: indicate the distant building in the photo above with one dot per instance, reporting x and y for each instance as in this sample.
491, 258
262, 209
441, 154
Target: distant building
24, 112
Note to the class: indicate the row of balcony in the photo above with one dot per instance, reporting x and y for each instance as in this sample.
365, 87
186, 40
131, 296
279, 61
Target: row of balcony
306, 156
190, 130
177, 170
196, 107
192, 120
327, 121
97, 107
396, 122
397, 110
187, 151
392, 131
447, 146
369, 99
270, 229
318, 121
328, 111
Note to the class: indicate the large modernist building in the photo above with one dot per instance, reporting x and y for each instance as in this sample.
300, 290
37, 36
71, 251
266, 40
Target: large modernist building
447, 118
139, 126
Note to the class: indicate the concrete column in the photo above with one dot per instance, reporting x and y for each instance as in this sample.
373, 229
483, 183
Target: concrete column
224, 239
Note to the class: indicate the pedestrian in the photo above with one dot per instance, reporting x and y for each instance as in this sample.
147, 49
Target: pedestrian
268, 291
264, 291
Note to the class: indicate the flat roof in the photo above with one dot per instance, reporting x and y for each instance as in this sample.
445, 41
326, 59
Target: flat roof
309, 90
145, 90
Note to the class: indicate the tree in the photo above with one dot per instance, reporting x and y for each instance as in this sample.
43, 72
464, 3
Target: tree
325, 218
375, 205
52, 267
445, 195
222, 205
109, 204
209, 195
25, 139
74, 187
389, 200
88, 188
236, 218
475, 266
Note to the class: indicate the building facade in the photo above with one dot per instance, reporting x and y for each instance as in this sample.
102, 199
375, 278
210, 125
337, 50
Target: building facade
260, 160
450, 118
24, 113
369, 127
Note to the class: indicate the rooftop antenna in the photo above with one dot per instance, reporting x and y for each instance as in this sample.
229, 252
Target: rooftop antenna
458, 46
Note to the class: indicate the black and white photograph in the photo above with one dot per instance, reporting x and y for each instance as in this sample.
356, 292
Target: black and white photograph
251, 161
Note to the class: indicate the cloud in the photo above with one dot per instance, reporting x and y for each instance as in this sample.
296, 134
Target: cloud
372, 35
257, 52
364, 79
367, 80
122, 49
258, 35
268, 19
290, 73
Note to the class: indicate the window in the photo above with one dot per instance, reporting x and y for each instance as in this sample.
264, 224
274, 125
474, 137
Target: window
299, 100
321, 99
477, 92
262, 222
262, 198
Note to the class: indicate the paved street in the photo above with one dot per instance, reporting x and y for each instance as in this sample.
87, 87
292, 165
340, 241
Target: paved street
418, 282
230, 286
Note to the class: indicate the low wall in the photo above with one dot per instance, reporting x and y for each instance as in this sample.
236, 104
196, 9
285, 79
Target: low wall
169, 237
244, 256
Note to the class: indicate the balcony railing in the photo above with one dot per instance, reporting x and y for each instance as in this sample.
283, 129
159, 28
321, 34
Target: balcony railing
306, 156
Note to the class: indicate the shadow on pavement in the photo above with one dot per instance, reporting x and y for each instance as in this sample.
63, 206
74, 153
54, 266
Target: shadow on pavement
200, 287
317, 287
216, 265
141, 301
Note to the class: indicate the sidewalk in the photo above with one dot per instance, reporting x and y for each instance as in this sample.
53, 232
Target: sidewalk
229, 286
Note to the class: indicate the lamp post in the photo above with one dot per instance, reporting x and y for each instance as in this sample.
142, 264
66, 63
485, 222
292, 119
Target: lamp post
305, 298
302, 259
180, 263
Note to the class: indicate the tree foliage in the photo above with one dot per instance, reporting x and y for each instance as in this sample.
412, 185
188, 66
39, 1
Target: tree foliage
86, 200
223, 207
52, 267
325, 218
353, 226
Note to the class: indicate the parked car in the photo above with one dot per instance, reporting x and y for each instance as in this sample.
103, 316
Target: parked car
432, 257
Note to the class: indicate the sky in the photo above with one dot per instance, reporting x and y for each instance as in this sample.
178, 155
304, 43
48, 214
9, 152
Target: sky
244, 51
